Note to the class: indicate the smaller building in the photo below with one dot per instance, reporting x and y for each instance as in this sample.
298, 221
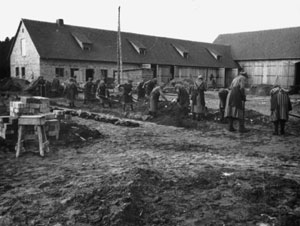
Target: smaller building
264, 55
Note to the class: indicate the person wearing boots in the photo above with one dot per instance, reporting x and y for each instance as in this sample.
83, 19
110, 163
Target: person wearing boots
235, 103
280, 107
198, 98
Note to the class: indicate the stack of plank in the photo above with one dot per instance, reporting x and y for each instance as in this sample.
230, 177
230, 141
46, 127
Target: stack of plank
31, 105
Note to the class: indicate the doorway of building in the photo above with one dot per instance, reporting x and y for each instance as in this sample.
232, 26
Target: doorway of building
297, 75
89, 73
154, 69
172, 71
228, 78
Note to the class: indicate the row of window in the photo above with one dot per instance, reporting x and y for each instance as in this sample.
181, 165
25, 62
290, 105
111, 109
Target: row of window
18, 71
61, 72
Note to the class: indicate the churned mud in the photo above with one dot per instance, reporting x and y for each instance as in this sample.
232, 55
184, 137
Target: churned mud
157, 172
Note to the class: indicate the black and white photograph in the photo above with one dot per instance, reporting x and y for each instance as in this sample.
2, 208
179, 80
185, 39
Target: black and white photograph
150, 113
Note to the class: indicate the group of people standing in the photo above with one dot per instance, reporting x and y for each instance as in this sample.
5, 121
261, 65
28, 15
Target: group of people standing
232, 105
192, 100
231, 102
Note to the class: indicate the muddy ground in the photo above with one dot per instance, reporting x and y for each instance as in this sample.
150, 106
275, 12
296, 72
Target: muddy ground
164, 171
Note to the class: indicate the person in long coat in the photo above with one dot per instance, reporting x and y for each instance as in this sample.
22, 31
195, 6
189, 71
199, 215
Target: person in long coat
280, 107
88, 90
183, 99
55, 86
127, 94
235, 103
103, 94
71, 92
149, 86
141, 91
198, 98
154, 99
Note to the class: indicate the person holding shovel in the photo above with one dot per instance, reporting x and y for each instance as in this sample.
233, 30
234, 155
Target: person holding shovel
183, 100
235, 103
149, 86
154, 99
103, 94
127, 94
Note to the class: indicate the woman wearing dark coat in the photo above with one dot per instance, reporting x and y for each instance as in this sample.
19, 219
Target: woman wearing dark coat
88, 91
127, 94
141, 92
235, 103
280, 107
183, 99
103, 94
71, 92
154, 99
198, 98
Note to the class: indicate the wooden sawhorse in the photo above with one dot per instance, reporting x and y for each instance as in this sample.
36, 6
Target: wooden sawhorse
33, 120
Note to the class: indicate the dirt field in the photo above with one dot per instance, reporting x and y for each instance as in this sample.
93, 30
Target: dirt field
163, 172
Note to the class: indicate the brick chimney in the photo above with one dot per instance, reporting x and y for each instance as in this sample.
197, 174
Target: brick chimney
60, 22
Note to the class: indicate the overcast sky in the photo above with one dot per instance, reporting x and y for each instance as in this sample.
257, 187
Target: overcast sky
197, 20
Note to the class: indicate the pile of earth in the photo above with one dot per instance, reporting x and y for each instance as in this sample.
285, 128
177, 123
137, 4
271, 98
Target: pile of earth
210, 198
73, 135
13, 84
169, 114
6, 145
102, 118
149, 197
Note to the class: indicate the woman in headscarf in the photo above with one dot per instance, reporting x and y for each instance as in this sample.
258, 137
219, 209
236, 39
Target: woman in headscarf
280, 107
198, 98
235, 102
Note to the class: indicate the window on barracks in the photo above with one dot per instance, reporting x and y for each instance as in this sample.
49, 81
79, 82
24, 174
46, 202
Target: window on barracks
142, 51
104, 75
59, 71
73, 72
23, 47
23, 72
17, 72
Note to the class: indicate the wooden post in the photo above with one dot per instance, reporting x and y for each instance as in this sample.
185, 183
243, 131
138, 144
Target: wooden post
119, 49
20, 131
